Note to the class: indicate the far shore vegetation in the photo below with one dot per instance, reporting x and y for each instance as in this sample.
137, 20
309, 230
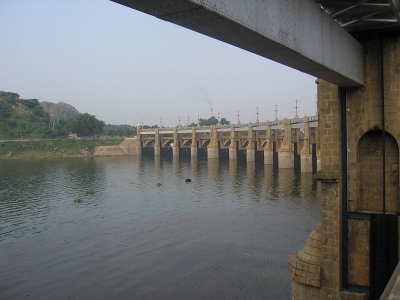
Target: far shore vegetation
53, 148
29, 119
22, 119
29, 129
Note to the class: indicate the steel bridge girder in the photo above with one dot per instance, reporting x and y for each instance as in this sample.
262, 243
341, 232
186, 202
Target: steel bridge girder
298, 34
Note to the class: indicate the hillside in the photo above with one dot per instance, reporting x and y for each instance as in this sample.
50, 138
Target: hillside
60, 110
23, 118
31, 119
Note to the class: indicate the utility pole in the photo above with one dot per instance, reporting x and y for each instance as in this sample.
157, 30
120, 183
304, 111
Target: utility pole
257, 120
316, 104
218, 120
180, 121
276, 112
296, 107
238, 115
160, 123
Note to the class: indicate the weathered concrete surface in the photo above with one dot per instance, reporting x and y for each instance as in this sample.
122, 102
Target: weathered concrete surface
108, 151
131, 147
127, 147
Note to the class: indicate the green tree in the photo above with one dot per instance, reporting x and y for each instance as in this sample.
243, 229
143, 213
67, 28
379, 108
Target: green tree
208, 122
225, 122
84, 125
211, 121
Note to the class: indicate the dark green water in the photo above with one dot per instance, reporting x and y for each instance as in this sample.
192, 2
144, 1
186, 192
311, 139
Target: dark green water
127, 228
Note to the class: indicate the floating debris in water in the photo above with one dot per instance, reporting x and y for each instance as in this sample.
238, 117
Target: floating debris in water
90, 192
79, 200
188, 180
159, 184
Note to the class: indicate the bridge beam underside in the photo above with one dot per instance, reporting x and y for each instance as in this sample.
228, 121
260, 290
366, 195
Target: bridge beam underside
297, 34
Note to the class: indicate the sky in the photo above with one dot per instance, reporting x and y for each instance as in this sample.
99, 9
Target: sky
126, 67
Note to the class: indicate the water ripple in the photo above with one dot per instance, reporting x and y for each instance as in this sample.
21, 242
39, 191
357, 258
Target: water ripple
41, 195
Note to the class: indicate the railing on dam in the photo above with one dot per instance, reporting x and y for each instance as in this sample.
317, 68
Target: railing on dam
277, 124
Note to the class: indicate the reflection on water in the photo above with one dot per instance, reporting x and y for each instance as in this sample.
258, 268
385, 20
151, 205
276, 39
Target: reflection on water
241, 219
39, 195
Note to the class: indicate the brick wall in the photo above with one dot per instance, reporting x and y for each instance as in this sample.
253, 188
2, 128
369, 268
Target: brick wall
364, 173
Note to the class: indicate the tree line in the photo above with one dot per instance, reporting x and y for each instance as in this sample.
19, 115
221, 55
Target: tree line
25, 118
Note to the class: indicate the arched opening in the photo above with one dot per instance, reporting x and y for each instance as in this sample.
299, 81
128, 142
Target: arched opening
370, 179
205, 143
149, 143
187, 143
373, 225
168, 143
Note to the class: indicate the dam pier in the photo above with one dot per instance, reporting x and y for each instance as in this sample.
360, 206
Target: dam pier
286, 144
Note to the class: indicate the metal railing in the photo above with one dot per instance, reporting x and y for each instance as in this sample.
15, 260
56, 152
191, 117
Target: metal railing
272, 123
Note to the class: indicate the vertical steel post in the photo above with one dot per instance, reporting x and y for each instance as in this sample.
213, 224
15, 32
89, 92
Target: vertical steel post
344, 192
384, 250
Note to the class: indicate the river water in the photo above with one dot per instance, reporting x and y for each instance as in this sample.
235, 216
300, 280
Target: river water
132, 228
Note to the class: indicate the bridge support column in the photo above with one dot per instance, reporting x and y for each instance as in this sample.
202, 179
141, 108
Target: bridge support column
268, 151
193, 147
250, 155
157, 151
193, 151
250, 151
175, 147
285, 153
306, 157
175, 151
268, 157
212, 149
157, 148
137, 148
232, 153
317, 254
285, 160
232, 145
212, 152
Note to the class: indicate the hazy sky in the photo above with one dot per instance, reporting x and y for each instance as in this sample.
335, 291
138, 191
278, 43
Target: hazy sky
124, 66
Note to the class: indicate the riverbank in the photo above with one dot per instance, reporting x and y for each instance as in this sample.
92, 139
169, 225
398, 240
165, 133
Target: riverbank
52, 148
